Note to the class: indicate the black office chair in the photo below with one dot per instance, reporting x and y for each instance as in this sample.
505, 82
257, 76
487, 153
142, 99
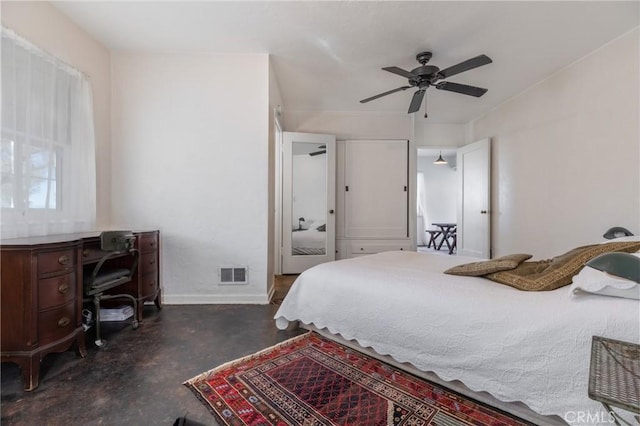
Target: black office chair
103, 278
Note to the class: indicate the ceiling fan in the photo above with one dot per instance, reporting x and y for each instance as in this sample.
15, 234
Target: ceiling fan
322, 149
429, 75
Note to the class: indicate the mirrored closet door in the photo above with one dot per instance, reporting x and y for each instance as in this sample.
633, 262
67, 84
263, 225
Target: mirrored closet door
308, 201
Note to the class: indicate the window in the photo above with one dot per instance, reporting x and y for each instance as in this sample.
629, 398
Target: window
30, 175
47, 143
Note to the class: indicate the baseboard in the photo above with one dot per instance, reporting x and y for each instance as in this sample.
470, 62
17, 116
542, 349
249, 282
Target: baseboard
215, 299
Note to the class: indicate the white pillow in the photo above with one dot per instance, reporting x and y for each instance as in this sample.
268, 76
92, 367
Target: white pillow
593, 281
621, 239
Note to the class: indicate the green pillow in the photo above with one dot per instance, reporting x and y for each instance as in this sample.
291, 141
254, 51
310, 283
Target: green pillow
622, 265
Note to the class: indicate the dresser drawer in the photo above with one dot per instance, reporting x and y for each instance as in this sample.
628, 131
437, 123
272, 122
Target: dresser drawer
56, 261
92, 253
148, 262
56, 290
358, 248
147, 242
148, 284
56, 323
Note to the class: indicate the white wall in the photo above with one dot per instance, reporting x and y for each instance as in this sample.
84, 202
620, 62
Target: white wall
190, 155
566, 155
309, 189
350, 124
441, 190
438, 135
43, 25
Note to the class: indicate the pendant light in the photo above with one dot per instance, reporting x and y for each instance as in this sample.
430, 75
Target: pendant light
440, 160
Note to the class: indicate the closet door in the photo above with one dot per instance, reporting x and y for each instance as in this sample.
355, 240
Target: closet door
376, 189
308, 201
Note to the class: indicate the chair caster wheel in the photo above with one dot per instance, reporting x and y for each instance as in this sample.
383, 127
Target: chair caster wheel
100, 343
135, 325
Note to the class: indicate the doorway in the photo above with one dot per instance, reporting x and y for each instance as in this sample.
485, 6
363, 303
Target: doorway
436, 193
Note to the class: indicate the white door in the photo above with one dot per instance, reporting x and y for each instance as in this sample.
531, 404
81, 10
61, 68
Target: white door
376, 189
308, 201
474, 223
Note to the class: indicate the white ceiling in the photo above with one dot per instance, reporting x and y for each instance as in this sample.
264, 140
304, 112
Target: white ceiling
329, 55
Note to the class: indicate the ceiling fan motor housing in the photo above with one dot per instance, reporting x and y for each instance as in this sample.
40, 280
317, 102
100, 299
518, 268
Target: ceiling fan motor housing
423, 57
426, 74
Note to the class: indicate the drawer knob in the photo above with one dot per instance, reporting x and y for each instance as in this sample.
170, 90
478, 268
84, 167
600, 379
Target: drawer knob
361, 248
152, 284
64, 259
63, 288
85, 252
63, 322
152, 243
152, 261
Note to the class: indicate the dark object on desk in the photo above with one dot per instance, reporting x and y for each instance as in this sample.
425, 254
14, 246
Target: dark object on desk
105, 277
614, 375
624, 265
617, 232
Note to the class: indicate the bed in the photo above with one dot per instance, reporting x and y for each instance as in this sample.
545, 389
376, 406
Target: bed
504, 346
312, 241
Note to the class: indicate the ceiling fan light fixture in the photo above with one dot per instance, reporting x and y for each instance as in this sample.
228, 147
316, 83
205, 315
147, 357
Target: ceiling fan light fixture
440, 160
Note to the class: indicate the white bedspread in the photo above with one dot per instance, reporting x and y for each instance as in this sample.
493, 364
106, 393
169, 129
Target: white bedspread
309, 238
532, 347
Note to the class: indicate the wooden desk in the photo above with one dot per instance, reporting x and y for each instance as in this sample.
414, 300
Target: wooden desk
42, 294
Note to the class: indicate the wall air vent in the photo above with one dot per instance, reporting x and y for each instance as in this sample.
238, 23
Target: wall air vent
233, 275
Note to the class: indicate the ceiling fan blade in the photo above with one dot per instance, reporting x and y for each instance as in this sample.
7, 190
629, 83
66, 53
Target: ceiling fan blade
399, 71
467, 65
461, 88
385, 94
416, 101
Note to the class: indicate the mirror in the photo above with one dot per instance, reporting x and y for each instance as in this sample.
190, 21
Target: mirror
309, 199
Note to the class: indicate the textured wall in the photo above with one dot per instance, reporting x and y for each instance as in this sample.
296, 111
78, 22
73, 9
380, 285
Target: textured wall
566, 155
190, 138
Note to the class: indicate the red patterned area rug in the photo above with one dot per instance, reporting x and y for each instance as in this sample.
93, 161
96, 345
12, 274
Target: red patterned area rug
310, 380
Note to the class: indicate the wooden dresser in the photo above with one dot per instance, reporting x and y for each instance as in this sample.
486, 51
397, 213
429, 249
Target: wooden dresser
42, 294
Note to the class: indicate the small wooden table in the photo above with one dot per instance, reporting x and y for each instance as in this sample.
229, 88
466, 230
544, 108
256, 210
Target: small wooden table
614, 375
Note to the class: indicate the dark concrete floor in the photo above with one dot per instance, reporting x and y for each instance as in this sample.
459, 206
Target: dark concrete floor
137, 378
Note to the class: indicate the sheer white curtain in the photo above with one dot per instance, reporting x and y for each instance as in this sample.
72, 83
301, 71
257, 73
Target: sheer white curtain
421, 204
48, 144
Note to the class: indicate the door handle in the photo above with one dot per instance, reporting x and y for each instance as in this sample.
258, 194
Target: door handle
331, 211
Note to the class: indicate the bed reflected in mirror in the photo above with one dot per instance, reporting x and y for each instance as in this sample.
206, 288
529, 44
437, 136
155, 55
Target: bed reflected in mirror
309, 199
